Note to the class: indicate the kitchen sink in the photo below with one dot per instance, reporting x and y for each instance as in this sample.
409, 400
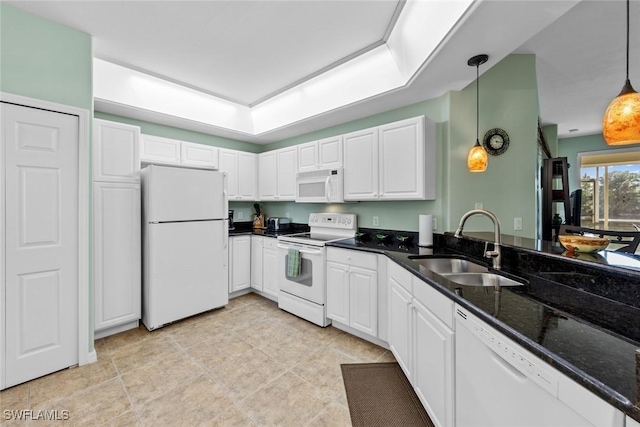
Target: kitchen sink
448, 265
480, 279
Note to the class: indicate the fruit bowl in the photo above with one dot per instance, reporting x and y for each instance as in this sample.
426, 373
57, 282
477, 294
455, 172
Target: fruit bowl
584, 244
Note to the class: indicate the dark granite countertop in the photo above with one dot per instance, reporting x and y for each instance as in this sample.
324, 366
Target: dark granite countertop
581, 317
243, 228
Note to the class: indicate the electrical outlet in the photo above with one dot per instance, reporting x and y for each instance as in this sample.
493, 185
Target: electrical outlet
240, 215
287, 215
517, 223
479, 205
435, 223
375, 221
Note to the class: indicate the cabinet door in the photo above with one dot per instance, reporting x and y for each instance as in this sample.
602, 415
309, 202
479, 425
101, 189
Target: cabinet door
400, 326
256, 262
247, 176
363, 300
270, 268
338, 292
199, 155
154, 149
116, 152
240, 262
330, 152
287, 167
117, 254
361, 165
433, 374
229, 165
402, 160
268, 173
308, 156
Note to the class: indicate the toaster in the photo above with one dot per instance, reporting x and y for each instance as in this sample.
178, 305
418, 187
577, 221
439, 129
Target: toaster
278, 223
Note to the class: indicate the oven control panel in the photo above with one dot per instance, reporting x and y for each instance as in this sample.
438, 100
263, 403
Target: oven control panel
333, 220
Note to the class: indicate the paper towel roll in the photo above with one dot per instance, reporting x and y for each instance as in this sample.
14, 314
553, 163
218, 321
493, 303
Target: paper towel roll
425, 230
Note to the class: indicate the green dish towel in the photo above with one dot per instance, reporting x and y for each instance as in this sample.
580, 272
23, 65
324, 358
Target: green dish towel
293, 264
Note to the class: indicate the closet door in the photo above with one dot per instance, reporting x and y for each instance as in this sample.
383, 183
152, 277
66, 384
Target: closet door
40, 162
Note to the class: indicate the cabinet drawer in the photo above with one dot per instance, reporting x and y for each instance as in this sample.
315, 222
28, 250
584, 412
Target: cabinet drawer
400, 275
437, 303
270, 242
353, 258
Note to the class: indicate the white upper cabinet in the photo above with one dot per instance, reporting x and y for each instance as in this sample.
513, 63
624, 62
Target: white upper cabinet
361, 165
241, 169
323, 154
277, 171
199, 155
167, 151
116, 156
155, 149
395, 161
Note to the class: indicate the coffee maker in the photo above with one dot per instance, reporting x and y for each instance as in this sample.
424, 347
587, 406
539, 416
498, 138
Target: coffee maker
231, 226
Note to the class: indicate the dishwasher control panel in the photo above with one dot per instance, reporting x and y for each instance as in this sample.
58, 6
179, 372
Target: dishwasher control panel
513, 354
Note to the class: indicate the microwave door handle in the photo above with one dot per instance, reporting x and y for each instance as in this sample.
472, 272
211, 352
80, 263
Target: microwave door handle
327, 188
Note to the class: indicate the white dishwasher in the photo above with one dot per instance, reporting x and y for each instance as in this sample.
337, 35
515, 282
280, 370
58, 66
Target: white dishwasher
500, 384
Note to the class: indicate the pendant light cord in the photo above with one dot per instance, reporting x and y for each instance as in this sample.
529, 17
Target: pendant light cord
628, 2
478, 103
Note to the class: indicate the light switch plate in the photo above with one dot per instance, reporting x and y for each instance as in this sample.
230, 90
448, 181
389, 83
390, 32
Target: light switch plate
517, 223
479, 205
375, 221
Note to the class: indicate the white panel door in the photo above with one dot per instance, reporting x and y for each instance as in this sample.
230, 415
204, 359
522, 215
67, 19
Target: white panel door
247, 176
363, 300
229, 165
116, 156
41, 188
256, 262
155, 149
270, 269
330, 152
308, 156
199, 155
287, 169
117, 254
268, 173
240, 263
400, 326
361, 165
338, 292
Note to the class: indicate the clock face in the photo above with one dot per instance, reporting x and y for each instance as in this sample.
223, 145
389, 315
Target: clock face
496, 141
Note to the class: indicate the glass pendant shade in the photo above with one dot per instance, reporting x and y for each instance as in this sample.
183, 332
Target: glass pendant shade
478, 158
621, 122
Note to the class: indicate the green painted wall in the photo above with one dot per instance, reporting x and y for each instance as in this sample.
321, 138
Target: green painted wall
181, 134
49, 61
508, 100
571, 147
44, 60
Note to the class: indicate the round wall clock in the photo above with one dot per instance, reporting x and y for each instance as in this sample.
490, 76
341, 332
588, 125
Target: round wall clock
495, 141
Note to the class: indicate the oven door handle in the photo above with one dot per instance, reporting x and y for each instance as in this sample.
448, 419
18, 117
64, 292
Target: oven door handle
302, 251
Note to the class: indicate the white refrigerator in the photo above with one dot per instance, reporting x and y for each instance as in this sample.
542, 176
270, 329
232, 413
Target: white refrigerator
185, 243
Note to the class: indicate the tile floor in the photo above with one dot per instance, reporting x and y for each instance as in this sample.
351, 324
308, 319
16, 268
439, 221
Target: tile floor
248, 364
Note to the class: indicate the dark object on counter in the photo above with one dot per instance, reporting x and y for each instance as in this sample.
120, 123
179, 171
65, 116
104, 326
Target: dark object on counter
231, 227
278, 223
557, 220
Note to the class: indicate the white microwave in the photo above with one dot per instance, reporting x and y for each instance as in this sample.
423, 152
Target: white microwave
319, 186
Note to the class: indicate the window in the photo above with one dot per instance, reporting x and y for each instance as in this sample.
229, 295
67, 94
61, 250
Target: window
610, 193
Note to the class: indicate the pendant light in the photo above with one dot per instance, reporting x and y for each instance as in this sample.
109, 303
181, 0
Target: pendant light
621, 122
477, 159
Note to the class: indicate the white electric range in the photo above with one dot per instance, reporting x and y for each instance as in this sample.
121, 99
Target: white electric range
305, 295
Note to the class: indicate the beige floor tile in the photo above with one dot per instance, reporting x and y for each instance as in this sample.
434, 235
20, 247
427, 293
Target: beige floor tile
242, 379
386, 357
361, 350
113, 343
69, 381
129, 419
325, 335
264, 331
190, 334
297, 402
322, 370
158, 378
134, 356
219, 350
92, 406
190, 404
334, 415
231, 417
291, 349
13, 399
242, 315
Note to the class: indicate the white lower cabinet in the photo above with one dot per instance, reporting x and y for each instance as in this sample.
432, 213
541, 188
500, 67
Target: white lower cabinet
422, 342
631, 422
117, 255
352, 289
256, 262
270, 267
239, 263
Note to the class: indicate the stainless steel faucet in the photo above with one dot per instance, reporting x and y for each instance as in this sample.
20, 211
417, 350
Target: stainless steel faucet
495, 254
